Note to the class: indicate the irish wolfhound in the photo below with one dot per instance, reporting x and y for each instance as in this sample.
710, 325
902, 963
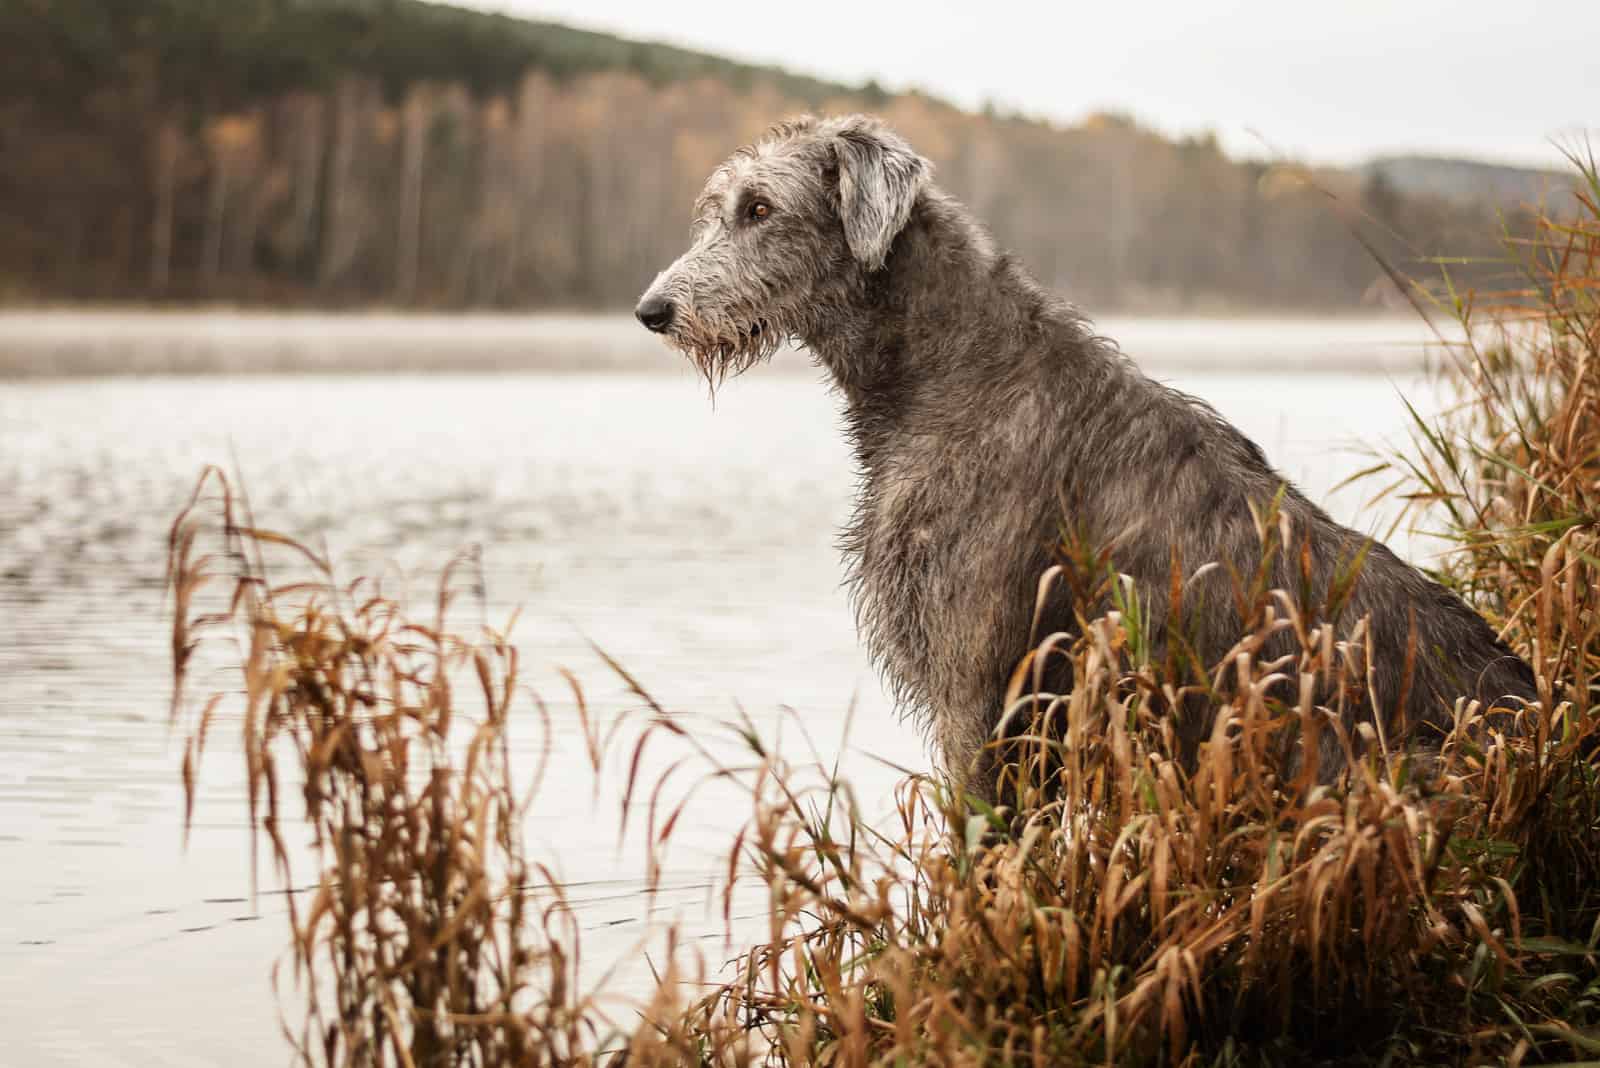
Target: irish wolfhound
987, 417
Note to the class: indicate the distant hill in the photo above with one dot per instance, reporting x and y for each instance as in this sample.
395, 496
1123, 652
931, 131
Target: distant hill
237, 49
1466, 181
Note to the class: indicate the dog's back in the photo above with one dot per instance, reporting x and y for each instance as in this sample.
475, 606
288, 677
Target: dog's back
974, 477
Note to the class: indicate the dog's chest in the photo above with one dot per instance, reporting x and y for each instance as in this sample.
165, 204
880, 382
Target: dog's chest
936, 551
905, 522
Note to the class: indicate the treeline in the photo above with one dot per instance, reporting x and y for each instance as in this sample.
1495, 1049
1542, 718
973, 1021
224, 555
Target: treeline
356, 151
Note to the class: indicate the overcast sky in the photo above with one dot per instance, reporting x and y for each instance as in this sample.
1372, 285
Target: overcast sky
1335, 81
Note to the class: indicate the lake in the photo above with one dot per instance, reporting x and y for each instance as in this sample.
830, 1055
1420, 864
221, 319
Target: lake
612, 502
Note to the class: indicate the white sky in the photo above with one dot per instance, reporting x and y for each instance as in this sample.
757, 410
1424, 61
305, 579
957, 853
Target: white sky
1334, 81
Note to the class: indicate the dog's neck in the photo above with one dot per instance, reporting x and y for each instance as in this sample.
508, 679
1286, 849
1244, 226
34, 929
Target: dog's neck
924, 327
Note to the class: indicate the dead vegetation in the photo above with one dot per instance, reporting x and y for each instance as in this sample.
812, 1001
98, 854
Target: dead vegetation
1131, 908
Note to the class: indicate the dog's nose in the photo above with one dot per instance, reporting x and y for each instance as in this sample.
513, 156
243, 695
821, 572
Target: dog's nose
655, 313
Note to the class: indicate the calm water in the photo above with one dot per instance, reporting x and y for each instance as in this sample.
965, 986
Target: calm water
694, 543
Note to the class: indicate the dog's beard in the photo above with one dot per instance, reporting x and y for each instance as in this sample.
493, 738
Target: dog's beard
725, 346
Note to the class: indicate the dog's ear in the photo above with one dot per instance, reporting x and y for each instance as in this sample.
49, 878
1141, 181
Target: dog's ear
880, 177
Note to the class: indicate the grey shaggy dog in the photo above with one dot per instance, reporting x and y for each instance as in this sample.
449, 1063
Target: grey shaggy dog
987, 418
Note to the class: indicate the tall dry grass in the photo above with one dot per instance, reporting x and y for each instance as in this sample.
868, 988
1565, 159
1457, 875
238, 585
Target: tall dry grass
1131, 906
422, 943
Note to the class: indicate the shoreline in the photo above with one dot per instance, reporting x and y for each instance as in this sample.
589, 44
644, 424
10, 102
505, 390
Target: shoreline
106, 341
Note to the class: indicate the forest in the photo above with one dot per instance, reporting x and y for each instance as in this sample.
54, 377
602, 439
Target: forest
353, 152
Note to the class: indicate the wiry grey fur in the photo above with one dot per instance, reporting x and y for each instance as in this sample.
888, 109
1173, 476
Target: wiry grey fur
987, 417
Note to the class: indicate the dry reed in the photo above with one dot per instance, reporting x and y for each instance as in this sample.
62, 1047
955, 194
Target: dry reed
1133, 905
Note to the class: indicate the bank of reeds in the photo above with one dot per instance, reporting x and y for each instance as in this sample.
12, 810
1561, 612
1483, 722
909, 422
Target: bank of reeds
1132, 907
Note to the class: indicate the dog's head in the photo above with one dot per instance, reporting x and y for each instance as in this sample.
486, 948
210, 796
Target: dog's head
777, 229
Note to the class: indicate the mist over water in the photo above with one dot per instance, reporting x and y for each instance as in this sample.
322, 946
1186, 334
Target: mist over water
58, 344
693, 542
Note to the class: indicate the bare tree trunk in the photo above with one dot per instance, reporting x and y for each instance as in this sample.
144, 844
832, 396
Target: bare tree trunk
414, 136
336, 176
528, 175
71, 271
167, 146
216, 207
495, 222
126, 225
242, 251
309, 117
597, 189
1121, 216
464, 262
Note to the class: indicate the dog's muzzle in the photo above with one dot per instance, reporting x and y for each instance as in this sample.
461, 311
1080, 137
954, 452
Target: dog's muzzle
656, 313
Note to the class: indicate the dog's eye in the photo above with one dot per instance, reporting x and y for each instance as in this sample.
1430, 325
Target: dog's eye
758, 210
